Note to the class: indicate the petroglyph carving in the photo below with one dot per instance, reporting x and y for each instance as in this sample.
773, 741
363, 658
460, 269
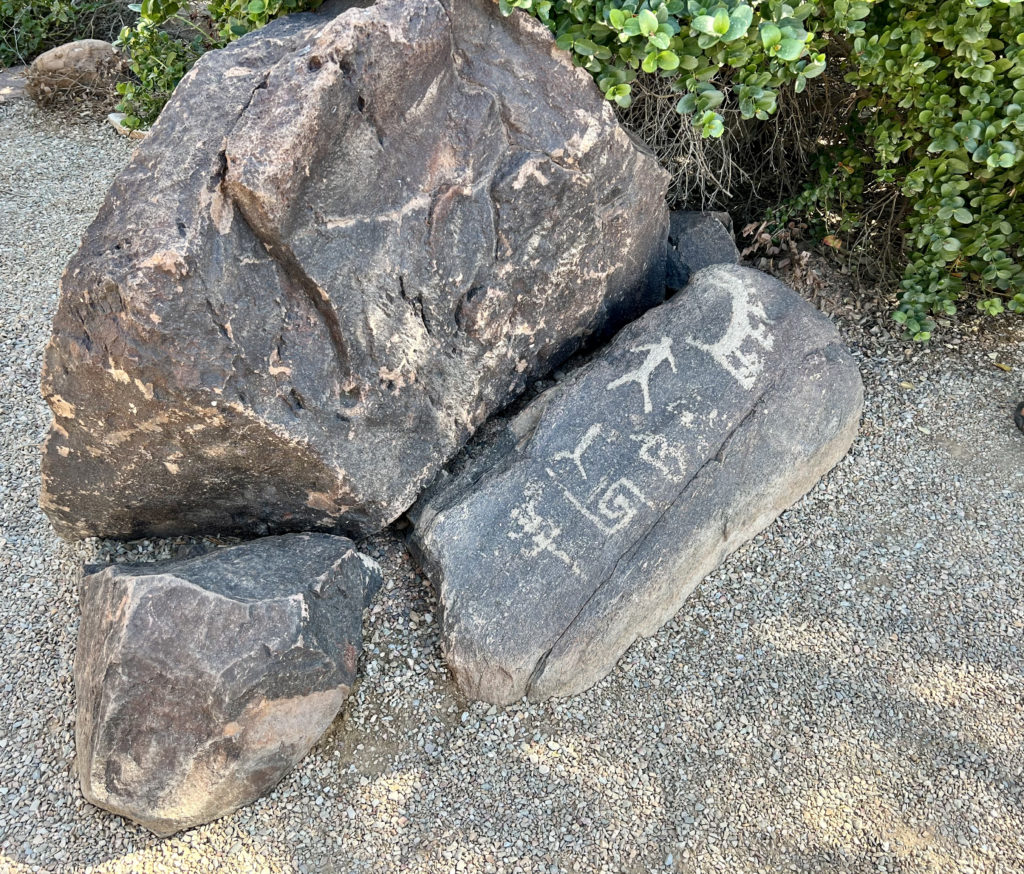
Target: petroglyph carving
615, 505
662, 455
656, 354
541, 532
576, 456
737, 350
686, 418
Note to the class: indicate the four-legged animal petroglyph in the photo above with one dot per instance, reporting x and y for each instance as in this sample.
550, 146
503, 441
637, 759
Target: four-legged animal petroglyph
736, 350
656, 353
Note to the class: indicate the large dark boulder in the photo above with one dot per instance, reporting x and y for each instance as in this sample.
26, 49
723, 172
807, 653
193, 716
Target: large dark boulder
345, 243
201, 683
585, 521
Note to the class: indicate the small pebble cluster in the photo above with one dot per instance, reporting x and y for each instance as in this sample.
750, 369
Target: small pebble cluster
845, 694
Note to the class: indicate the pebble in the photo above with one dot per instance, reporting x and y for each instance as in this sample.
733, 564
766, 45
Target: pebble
844, 694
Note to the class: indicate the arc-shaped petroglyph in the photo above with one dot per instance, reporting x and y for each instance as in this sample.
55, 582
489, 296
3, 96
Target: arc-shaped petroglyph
576, 456
738, 350
656, 354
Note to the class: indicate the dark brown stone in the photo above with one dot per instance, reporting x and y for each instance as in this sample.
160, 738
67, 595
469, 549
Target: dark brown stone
342, 247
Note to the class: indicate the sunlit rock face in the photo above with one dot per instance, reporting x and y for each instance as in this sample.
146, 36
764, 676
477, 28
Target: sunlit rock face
201, 683
585, 522
345, 244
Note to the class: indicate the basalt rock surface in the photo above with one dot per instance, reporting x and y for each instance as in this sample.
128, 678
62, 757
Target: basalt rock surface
201, 683
583, 522
345, 243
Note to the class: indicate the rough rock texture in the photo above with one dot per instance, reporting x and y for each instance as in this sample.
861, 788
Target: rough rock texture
201, 683
86, 65
13, 84
592, 514
344, 244
703, 238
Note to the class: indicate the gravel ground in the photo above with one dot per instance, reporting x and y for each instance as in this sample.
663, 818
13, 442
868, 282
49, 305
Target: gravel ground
845, 694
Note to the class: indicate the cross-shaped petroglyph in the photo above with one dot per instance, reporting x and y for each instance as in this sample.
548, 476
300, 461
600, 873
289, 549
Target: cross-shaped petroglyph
576, 456
656, 354
542, 532
748, 327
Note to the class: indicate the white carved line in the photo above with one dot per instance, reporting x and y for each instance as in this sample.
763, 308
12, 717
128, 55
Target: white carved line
616, 507
656, 354
658, 452
576, 456
748, 324
542, 532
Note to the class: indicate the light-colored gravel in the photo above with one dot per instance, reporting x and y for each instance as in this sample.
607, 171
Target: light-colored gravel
846, 694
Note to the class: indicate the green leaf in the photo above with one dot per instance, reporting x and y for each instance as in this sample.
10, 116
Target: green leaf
771, 35
668, 61
648, 22
256, 7
621, 94
650, 63
686, 104
790, 49
721, 21
963, 216
704, 24
710, 98
617, 17
711, 125
739, 22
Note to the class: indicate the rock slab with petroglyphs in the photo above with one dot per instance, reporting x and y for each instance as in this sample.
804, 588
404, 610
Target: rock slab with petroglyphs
201, 683
346, 242
583, 522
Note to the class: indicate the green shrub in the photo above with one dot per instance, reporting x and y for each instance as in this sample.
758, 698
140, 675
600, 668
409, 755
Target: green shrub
710, 52
158, 60
943, 122
31, 27
935, 136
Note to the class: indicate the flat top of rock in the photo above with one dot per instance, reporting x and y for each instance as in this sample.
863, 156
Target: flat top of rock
259, 569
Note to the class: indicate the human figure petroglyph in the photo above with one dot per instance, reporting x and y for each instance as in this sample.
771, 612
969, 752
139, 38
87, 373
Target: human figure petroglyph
542, 532
576, 456
656, 354
748, 327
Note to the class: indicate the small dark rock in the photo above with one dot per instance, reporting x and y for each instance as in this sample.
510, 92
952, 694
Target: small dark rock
201, 683
702, 239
